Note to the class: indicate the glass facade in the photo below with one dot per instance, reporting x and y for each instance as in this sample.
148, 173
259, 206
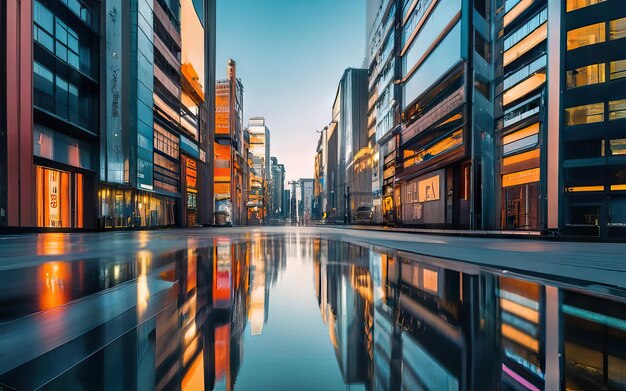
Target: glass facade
126, 208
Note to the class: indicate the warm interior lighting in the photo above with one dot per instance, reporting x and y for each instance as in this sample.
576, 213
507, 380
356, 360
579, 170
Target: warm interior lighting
519, 337
431, 282
618, 187
520, 48
517, 11
578, 189
520, 134
530, 84
586, 114
585, 36
519, 310
521, 177
573, 5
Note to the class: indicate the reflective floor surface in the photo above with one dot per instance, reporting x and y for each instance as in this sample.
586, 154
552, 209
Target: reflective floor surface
293, 310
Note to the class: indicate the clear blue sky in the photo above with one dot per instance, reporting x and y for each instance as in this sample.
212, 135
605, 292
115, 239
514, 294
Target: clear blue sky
290, 56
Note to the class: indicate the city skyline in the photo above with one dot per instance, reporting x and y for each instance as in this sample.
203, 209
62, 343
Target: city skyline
325, 37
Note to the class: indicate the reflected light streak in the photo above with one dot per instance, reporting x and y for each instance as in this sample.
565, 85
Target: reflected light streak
143, 293
53, 277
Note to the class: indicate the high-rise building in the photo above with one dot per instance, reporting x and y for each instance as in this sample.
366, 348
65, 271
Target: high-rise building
278, 186
383, 105
521, 93
446, 152
260, 171
53, 85
590, 146
230, 156
305, 209
349, 169
110, 127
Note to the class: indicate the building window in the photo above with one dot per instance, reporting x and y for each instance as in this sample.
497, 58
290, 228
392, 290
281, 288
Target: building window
520, 140
618, 147
617, 69
591, 74
584, 36
434, 149
617, 109
586, 114
573, 5
54, 198
522, 32
617, 28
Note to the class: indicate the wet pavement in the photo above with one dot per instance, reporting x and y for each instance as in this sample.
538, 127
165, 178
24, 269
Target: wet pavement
309, 309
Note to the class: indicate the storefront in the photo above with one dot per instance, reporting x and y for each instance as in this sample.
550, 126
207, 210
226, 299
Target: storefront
122, 207
191, 191
59, 198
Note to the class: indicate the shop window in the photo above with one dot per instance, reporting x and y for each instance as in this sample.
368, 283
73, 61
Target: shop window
617, 28
522, 206
586, 114
584, 36
573, 5
591, 74
53, 198
617, 69
617, 109
618, 147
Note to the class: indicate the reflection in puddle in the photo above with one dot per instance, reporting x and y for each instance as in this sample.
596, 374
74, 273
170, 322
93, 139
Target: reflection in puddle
268, 312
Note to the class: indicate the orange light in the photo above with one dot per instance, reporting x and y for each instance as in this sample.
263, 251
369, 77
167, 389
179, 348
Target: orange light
579, 189
515, 335
522, 157
521, 177
618, 187
520, 134
519, 310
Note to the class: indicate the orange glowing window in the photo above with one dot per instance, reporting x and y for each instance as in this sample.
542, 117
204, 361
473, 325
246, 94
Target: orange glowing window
520, 134
431, 282
519, 337
519, 310
53, 198
521, 177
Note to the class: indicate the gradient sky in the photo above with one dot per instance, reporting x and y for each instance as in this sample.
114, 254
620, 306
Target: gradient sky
290, 56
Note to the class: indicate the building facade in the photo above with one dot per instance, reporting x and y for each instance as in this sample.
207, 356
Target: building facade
278, 188
592, 108
230, 155
383, 103
111, 124
446, 151
348, 161
260, 172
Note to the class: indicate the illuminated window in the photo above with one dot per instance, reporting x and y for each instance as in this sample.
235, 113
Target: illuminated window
516, 11
585, 36
617, 28
526, 44
524, 88
617, 69
591, 74
618, 147
573, 5
617, 109
435, 149
521, 139
53, 198
586, 114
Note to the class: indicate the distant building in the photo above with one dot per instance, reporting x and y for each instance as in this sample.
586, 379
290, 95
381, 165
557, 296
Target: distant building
278, 187
230, 155
260, 171
306, 199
